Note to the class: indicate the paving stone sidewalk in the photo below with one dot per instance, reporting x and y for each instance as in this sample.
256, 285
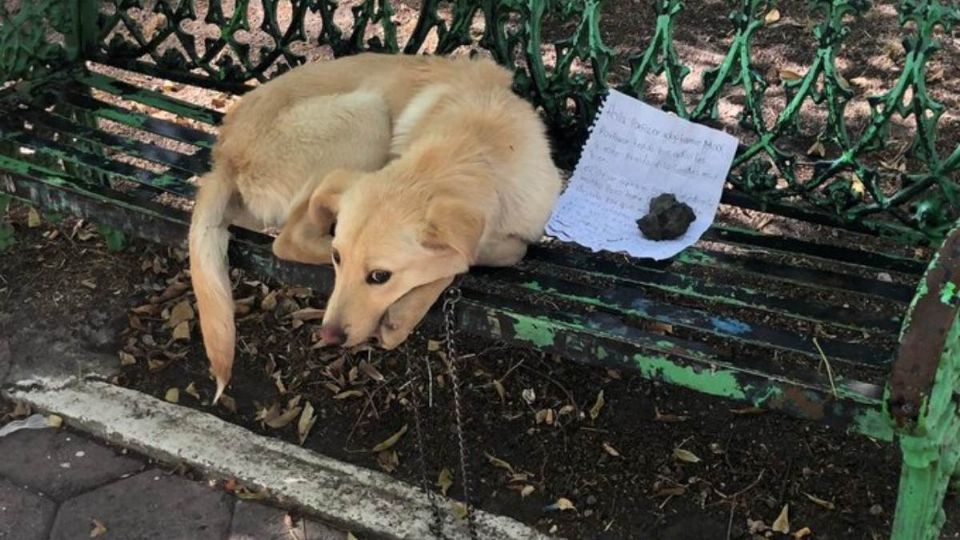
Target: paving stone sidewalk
58, 484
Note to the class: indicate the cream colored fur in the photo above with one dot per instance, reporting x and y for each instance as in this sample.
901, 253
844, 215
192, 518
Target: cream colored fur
427, 165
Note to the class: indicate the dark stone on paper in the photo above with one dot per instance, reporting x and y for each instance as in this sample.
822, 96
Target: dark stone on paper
668, 218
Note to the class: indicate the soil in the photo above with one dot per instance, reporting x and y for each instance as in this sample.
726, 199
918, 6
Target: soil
531, 432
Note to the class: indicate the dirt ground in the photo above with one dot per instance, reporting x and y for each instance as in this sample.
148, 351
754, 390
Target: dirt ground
655, 462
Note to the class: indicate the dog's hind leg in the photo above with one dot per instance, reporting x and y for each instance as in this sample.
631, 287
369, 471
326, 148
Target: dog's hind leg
303, 240
407, 312
502, 251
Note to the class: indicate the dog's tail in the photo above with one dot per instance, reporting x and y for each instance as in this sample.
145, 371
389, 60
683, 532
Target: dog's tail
209, 238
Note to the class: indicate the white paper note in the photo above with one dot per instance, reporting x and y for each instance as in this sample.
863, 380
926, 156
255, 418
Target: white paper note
636, 152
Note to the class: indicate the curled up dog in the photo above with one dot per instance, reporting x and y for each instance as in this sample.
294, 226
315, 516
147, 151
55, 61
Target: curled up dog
401, 171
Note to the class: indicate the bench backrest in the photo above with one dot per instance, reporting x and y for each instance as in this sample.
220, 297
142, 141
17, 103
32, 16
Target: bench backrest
814, 145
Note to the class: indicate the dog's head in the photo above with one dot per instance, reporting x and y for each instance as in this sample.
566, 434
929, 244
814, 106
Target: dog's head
389, 238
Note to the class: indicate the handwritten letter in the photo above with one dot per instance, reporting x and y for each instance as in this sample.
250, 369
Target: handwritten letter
635, 153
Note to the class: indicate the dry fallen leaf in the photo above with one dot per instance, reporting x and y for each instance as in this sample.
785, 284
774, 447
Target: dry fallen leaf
613, 374
526, 491
497, 462
610, 449
371, 371
269, 302
348, 394
782, 524
33, 218
54, 421
597, 406
172, 395
307, 419
390, 441
790, 75
228, 403
498, 386
459, 509
562, 504
99, 529
181, 312
350, 536
307, 314
433, 345
127, 359
755, 526
685, 456
182, 332
816, 150
856, 185
802, 533
935, 75
191, 390
445, 480
816, 500
284, 418
388, 460
247, 494
89, 283
670, 491
772, 16
668, 418
545, 416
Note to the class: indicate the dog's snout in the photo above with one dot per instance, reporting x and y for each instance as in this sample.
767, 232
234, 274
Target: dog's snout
333, 335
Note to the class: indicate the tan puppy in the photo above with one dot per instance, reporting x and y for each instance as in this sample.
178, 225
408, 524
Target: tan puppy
273, 149
473, 184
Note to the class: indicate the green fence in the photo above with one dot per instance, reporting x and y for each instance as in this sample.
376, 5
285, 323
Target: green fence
841, 171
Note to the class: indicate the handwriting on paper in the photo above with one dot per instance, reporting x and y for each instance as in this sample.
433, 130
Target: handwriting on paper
635, 153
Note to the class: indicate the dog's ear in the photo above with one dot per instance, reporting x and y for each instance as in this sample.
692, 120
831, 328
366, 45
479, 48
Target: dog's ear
456, 227
325, 200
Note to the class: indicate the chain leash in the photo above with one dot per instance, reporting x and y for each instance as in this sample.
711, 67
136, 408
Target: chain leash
418, 369
453, 296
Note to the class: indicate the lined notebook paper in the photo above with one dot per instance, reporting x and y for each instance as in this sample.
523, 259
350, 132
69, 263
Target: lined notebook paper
634, 153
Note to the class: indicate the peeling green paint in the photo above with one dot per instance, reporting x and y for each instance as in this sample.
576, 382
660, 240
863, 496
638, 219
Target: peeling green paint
948, 293
533, 332
720, 382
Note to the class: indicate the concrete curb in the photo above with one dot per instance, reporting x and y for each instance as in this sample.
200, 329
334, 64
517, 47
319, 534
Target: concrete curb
357, 499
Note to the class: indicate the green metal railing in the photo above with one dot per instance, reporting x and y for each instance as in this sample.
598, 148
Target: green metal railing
847, 179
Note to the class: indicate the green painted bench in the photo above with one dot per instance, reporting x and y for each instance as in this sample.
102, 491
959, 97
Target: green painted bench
862, 335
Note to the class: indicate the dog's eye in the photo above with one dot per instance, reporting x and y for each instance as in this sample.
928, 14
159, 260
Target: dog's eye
336, 257
378, 277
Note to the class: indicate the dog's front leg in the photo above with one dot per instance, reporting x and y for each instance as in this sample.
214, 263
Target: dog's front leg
407, 312
302, 240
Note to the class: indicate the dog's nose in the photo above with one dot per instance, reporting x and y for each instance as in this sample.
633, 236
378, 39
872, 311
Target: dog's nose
333, 335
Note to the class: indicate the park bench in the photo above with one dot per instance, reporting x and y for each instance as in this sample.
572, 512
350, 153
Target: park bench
860, 334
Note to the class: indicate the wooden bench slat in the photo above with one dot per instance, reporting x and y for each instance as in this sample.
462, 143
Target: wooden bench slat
149, 98
880, 261
633, 303
673, 280
185, 165
71, 154
134, 119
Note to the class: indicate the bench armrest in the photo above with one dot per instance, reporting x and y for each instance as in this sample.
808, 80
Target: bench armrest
930, 327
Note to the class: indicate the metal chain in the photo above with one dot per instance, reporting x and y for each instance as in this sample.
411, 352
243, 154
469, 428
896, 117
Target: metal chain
453, 296
437, 527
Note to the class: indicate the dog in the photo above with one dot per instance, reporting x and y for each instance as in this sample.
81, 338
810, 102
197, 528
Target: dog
401, 171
